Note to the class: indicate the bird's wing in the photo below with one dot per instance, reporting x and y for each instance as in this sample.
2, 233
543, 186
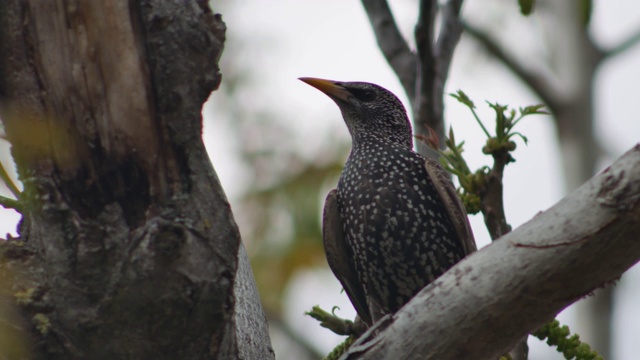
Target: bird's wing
339, 256
452, 203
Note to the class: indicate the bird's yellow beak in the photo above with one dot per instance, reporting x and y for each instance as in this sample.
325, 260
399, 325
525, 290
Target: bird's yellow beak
328, 87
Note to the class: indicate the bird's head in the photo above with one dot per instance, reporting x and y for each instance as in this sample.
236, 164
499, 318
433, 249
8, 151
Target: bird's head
370, 111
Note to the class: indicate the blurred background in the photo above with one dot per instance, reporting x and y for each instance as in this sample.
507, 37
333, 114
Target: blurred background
278, 145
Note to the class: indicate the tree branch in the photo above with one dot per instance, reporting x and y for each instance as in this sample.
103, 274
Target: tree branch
393, 46
428, 104
492, 204
424, 33
494, 297
450, 32
8, 182
625, 45
536, 81
294, 337
9, 203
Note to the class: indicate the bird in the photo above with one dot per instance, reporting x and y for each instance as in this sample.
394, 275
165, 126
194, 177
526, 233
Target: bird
395, 222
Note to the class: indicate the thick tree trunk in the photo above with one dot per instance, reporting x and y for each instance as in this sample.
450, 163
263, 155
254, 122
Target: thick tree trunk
128, 245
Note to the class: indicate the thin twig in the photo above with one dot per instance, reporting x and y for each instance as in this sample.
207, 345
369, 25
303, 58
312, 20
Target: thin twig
9, 203
393, 46
7, 180
484, 129
536, 81
625, 45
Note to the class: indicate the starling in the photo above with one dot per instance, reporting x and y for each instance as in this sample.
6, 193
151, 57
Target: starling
395, 222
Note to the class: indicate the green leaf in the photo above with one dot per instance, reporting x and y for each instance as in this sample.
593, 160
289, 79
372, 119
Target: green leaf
497, 107
524, 138
463, 98
534, 109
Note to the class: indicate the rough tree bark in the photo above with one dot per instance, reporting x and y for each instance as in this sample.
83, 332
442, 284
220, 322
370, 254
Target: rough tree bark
482, 306
128, 247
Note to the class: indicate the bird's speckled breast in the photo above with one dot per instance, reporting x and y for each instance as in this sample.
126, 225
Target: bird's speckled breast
395, 225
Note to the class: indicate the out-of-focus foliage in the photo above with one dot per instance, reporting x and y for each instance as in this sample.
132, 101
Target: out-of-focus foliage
13, 342
280, 212
286, 223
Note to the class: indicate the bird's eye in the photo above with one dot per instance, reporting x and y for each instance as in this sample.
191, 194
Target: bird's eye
364, 94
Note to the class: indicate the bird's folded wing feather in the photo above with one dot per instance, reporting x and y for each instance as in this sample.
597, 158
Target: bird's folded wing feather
338, 256
453, 205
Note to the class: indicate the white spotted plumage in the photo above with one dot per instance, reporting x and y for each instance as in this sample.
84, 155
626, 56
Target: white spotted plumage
397, 227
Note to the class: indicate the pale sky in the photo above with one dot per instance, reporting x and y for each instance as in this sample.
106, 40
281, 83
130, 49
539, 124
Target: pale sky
332, 39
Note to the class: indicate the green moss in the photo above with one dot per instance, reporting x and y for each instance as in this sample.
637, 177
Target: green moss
24, 297
42, 323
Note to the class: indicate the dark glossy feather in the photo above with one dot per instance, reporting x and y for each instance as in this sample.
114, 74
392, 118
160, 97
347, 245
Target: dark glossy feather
339, 256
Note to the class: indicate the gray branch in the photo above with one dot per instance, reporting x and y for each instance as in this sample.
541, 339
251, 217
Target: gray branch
450, 32
537, 81
6, 179
424, 31
393, 46
428, 106
481, 307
